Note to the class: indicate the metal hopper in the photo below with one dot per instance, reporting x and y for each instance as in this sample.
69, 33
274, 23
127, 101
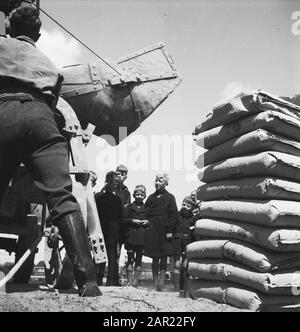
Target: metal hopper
122, 95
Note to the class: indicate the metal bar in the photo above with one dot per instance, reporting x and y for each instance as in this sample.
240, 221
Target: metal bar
140, 52
38, 6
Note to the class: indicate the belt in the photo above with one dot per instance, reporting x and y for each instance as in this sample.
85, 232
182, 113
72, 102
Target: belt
23, 94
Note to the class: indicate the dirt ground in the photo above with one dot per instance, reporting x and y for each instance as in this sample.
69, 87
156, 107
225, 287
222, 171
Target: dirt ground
38, 298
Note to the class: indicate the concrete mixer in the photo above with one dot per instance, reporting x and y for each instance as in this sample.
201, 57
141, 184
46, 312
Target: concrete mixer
97, 98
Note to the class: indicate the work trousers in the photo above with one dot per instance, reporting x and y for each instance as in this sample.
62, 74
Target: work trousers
113, 264
29, 134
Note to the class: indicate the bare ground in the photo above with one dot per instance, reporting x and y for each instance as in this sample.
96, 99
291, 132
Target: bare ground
38, 298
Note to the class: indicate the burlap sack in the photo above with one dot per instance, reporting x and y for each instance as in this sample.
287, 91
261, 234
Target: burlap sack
250, 188
274, 122
281, 240
285, 284
254, 142
261, 260
274, 213
268, 163
226, 293
240, 297
246, 104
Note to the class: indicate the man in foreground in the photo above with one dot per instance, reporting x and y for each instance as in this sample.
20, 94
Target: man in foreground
29, 89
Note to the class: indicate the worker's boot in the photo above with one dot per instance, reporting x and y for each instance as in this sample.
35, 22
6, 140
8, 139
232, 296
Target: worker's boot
130, 276
75, 239
176, 281
137, 275
161, 282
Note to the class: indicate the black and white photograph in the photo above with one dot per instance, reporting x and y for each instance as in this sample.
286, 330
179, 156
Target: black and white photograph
149, 158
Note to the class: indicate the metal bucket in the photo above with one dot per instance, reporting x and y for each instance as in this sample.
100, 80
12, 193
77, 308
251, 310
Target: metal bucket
122, 95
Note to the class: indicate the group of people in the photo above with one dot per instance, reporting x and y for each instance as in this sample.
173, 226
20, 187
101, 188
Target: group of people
29, 90
153, 227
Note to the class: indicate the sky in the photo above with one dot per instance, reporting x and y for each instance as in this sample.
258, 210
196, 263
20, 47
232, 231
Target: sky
219, 48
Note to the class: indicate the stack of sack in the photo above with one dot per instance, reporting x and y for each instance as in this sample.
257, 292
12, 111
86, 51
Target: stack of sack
247, 241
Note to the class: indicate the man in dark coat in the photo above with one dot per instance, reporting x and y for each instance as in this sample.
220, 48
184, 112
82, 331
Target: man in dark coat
110, 212
123, 193
163, 214
135, 221
29, 89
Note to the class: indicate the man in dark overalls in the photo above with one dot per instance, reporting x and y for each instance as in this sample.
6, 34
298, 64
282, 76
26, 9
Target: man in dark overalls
29, 88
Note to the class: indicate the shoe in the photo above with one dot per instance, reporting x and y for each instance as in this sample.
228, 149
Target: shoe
99, 281
109, 283
72, 230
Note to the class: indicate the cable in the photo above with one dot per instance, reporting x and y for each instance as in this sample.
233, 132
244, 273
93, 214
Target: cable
62, 27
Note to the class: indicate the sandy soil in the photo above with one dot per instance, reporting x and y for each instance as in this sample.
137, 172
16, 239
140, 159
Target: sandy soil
37, 298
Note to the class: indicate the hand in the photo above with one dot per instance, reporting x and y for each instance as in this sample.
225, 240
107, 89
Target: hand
137, 222
145, 223
196, 212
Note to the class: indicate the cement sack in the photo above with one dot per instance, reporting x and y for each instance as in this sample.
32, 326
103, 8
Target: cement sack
284, 284
274, 213
246, 104
261, 260
268, 163
250, 188
281, 240
274, 122
224, 293
239, 296
254, 142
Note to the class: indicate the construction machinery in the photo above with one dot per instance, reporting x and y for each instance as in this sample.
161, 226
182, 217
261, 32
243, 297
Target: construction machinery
100, 98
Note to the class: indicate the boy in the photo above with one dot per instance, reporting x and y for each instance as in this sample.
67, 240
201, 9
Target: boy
110, 213
135, 220
182, 237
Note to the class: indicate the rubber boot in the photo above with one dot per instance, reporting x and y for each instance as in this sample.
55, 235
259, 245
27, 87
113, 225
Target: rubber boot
176, 281
161, 282
130, 276
74, 236
137, 275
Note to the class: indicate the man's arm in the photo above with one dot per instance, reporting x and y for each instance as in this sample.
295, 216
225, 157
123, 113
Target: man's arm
172, 214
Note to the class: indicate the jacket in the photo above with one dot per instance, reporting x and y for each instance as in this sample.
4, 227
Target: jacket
162, 213
134, 234
22, 64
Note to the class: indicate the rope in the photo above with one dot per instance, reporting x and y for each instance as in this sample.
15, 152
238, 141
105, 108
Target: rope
71, 34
